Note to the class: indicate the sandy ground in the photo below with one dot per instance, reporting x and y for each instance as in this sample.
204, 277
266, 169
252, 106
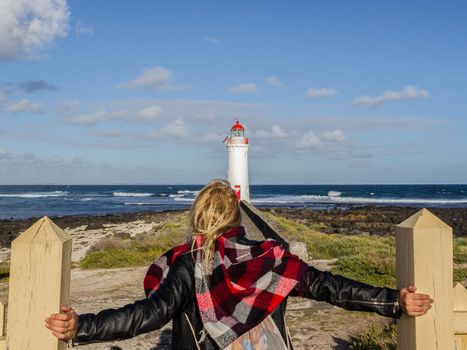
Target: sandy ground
83, 238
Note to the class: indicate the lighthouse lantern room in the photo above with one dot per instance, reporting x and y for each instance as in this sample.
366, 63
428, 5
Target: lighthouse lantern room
237, 166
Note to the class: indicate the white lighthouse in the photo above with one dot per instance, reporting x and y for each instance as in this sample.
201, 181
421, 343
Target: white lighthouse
237, 167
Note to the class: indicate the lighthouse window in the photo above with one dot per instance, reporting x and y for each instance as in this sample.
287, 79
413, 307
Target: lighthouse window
237, 133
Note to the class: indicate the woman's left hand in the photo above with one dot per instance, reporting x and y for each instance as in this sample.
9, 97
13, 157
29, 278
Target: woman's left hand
414, 304
63, 325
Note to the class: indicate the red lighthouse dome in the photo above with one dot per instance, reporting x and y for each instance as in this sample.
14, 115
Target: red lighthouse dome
238, 126
237, 135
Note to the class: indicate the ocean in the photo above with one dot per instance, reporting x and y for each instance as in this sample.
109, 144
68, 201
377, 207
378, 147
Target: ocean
39, 200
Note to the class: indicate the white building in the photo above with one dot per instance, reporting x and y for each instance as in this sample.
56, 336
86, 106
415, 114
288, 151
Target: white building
237, 167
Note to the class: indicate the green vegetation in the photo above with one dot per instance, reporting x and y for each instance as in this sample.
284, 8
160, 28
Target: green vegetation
460, 251
370, 259
377, 339
460, 274
4, 271
114, 253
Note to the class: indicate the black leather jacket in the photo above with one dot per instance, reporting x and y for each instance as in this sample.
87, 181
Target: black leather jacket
175, 300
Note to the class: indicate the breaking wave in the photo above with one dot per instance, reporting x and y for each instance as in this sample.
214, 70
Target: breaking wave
188, 192
132, 194
354, 200
140, 204
334, 194
35, 194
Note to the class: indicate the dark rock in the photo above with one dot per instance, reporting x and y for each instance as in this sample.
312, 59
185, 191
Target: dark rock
122, 235
373, 220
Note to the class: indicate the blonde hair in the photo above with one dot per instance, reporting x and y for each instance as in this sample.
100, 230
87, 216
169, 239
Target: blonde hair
215, 211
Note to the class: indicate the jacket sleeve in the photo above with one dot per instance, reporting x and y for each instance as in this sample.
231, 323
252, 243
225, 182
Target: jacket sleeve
348, 294
143, 315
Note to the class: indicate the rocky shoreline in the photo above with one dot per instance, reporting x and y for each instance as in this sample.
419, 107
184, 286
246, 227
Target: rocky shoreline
11, 228
370, 220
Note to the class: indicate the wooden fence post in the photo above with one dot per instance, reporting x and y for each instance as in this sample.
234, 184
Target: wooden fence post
460, 317
424, 259
2, 320
39, 285
2, 327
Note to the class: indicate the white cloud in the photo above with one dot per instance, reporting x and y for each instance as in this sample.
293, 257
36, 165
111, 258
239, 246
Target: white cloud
89, 119
275, 132
274, 81
212, 137
24, 105
24, 168
309, 140
156, 78
151, 112
107, 133
334, 136
82, 29
409, 92
243, 88
100, 115
4, 154
28, 27
177, 129
67, 107
3, 95
316, 93
211, 39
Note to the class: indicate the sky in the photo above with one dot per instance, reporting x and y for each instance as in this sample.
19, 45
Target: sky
330, 92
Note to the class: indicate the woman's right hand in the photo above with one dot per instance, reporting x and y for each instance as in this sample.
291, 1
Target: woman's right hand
63, 325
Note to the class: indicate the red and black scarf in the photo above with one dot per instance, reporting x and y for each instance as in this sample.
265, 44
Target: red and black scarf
246, 283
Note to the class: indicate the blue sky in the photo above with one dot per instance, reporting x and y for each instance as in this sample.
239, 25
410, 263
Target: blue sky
145, 92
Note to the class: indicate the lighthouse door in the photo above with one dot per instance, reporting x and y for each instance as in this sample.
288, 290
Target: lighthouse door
238, 191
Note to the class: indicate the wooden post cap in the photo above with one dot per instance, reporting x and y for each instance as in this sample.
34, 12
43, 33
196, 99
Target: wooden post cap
423, 219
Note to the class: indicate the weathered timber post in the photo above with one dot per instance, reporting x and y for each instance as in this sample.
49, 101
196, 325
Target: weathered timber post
39, 285
2, 320
460, 317
2, 326
424, 259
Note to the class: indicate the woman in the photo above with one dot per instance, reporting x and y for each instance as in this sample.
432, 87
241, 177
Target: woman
223, 291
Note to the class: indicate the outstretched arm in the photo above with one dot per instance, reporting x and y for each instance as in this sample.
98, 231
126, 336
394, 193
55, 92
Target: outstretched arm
128, 321
354, 295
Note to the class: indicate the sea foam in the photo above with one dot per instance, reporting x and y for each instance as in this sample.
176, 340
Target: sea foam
35, 194
131, 194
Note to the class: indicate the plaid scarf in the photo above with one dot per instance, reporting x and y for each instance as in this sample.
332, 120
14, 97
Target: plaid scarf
246, 283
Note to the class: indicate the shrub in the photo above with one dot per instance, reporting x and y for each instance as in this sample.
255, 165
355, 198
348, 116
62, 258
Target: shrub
377, 339
4, 270
115, 253
460, 250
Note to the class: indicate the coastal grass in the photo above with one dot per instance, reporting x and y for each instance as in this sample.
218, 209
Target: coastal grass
370, 259
139, 251
4, 271
377, 339
460, 251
